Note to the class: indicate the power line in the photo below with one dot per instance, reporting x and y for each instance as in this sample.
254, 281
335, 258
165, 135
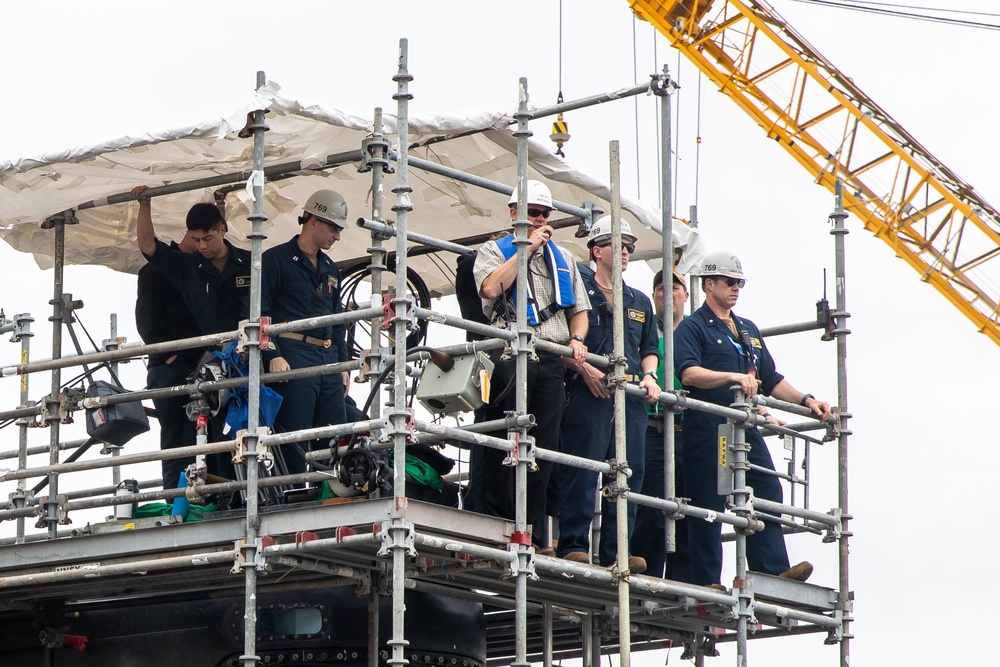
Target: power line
882, 9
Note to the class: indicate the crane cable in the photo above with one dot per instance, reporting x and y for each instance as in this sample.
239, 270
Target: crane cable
890, 9
560, 129
677, 127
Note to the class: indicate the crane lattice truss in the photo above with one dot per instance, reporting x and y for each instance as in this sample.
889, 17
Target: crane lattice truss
902, 193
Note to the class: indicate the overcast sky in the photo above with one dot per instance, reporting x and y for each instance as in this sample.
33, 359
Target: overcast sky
80, 73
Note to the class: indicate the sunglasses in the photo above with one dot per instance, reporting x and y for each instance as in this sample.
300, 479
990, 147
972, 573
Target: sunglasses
335, 227
535, 212
731, 282
627, 246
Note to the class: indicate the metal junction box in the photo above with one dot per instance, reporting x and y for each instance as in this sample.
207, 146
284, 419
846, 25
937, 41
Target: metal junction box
457, 390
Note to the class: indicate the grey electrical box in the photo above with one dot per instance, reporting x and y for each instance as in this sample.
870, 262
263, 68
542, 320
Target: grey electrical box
457, 390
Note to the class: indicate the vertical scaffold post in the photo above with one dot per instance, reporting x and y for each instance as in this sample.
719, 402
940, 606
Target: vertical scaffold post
840, 231
618, 370
257, 236
521, 242
664, 88
402, 308
378, 159
108, 448
52, 407
741, 507
22, 333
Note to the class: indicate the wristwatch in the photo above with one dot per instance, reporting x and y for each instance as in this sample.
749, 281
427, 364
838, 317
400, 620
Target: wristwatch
579, 338
805, 398
652, 374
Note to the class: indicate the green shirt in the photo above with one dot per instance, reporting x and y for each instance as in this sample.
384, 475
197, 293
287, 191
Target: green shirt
654, 410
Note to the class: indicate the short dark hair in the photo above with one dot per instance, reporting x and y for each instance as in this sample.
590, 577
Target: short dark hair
204, 217
657, 279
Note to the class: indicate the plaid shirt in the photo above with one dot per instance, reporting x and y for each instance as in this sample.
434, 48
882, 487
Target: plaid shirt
556, 328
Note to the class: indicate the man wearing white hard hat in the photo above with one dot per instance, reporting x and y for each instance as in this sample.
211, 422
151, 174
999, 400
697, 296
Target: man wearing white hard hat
299, 280
588, 420
557, 312
713, 351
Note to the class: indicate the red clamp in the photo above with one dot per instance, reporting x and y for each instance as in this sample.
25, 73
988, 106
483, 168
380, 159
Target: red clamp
520, 537
387, 310
263, 335
268, 541
79, 642
304, 536
344, 531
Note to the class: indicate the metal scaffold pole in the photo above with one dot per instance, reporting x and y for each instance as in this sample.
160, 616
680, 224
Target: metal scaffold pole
740, 450
663, 86
620, 476
840, 315
250, 439
399, 527
524, 340
378, 159
52, 402
20, 329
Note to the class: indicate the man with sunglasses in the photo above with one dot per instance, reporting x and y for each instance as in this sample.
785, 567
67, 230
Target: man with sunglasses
713, 351
557, 312
298, 281
588, 421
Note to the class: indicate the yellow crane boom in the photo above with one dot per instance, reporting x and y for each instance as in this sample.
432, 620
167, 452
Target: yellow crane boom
896, 187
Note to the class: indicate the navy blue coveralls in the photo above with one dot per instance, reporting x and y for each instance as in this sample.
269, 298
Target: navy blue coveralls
588, 423
161, 316
293, 289
218, 302
705, 341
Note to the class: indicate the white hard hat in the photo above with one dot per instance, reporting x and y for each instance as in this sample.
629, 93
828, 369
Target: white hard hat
601, 231
329, 206
538, 194
721, 263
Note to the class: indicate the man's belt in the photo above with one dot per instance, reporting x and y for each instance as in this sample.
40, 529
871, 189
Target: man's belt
657, 423
318, 342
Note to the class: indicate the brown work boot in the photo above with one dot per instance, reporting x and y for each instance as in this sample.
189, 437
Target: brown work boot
545, 551
798, 572
577, 557
636, 564
717, 587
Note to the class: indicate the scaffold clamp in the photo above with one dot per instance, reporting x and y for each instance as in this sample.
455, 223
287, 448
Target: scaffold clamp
514, 455
515, 566
397, 533
834, 532
61, 504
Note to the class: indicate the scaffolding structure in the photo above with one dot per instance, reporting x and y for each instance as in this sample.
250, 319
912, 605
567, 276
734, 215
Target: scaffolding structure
536, 608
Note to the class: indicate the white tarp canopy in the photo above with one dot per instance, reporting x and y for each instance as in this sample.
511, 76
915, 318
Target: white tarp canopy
478, 143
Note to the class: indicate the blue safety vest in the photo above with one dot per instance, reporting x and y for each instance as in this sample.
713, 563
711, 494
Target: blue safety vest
562, 280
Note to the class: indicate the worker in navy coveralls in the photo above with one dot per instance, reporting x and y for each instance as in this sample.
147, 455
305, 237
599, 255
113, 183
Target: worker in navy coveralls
557, 312
161, 316
214, 281
588, 420
713, 351
300, 281
649, 537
